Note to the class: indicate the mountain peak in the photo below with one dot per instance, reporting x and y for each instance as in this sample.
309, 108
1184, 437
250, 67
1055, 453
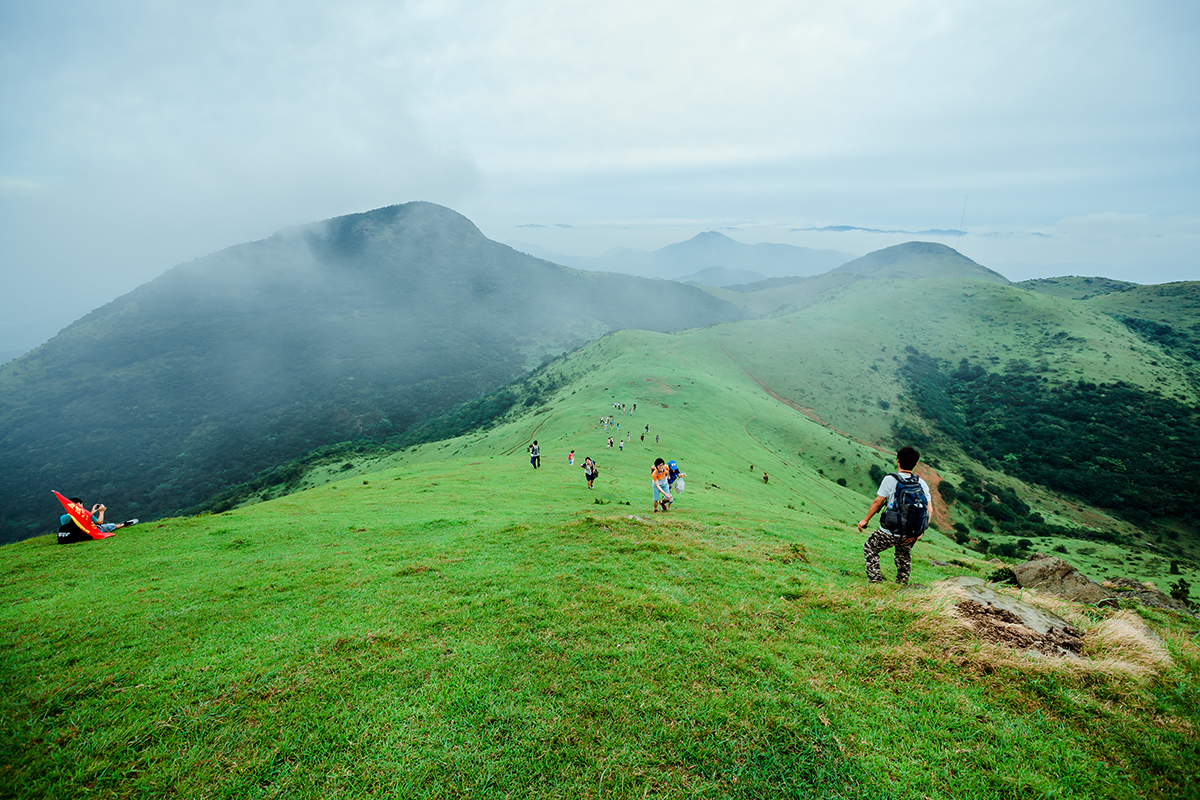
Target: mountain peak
919, 260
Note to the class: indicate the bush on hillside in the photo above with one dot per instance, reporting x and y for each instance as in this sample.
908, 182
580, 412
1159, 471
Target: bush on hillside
1006, 550
1181, 591
1066, 436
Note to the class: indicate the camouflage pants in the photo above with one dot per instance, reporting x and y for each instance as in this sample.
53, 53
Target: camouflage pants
876, 543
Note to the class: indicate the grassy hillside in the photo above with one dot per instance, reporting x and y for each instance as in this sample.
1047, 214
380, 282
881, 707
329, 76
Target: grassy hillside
852, 339
449, 622
842, 357
906, 262
1166, 315
356, 328
1075, 287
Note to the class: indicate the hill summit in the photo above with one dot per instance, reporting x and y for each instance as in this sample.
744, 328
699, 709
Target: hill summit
919, 260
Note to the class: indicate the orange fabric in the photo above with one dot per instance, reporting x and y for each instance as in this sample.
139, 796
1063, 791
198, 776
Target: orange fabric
661, 473
82, 517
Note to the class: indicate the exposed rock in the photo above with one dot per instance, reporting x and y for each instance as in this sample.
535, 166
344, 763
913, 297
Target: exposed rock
1052, 575
1007, 620
1129, 589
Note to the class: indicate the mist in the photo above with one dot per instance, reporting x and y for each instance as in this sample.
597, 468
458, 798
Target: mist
141, 136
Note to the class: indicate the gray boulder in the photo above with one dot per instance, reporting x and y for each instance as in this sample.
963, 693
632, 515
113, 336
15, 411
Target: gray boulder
1006, 620
1054, 576
1129, 589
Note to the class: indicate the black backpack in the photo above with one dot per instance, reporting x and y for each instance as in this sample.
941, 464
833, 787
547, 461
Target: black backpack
908, 515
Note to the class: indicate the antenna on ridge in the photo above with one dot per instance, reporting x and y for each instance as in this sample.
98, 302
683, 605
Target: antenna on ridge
960, 222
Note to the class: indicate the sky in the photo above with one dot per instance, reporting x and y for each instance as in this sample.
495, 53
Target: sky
1044, 138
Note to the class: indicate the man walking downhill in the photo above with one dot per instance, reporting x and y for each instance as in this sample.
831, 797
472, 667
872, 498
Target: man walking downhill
909, 505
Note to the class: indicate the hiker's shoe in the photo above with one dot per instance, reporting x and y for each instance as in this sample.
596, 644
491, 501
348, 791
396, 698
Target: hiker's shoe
129, 522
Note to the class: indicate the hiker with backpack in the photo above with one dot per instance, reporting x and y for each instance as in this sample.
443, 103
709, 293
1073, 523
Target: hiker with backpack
590, 471
906, 517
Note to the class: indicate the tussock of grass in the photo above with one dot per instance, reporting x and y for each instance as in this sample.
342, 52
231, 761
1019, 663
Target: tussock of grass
1124, 643
1117, 644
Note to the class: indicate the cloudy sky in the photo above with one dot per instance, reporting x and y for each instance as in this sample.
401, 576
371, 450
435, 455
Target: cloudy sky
1063, 136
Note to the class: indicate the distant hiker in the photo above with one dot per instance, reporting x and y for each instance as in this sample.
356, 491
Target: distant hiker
610, 442
659, 478
535, 455
571, 458
590, 471
69, 531
633, 409
765, 478
621, 445
909, 506
647, 429
656, 438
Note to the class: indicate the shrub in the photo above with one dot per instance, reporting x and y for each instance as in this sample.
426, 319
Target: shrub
1180, 590
1000, 512
1006, 550
841, 481
1060, 549
961, 537
948, 491
1024, 544
984, 525
1002, 575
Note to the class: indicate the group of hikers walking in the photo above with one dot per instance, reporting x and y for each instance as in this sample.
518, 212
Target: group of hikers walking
904, 499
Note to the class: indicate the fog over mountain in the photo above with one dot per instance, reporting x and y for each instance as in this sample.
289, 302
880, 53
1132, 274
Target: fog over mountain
683, 260
358, 327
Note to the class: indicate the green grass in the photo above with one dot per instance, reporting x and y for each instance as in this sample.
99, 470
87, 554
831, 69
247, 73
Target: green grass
453, 623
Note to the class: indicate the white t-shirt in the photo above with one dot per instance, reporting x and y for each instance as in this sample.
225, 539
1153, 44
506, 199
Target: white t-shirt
887, 488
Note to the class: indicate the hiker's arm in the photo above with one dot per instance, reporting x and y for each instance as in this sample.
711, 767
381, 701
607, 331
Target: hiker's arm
876, 504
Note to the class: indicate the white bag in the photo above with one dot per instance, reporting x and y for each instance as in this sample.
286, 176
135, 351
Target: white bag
679, 485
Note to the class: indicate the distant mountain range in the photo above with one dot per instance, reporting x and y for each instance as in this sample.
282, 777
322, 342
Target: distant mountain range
358, 327
691, 261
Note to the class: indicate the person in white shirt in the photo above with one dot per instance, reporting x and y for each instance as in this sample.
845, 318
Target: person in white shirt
887, 536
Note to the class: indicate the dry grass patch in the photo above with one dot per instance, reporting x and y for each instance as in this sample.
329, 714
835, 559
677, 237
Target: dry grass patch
1117, 644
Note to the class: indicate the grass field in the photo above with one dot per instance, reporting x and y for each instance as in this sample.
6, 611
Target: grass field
449, 622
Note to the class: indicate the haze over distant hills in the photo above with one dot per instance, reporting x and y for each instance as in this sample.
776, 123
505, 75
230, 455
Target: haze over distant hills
360, 326
683, 260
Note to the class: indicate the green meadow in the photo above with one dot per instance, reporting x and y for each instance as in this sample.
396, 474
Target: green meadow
447, 621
